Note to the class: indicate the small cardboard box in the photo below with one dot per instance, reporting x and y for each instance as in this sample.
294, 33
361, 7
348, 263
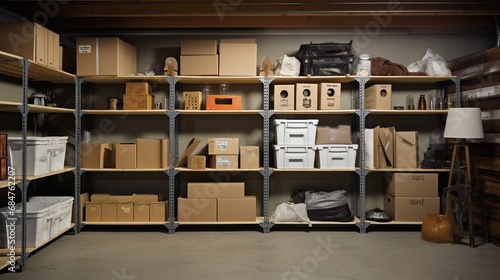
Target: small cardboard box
249, 157
125, 212
125, 156
107, 56
198, 47
137, 88
152, 153
306, 97
138, 102
238, 57
224, 161
411, 184
158, 211
93, 212
340, 134
406, 147
223, 146
329, 96
197, 162
199, 65
192, 100
109, 212
410, 209
141, 211
97, 155
241, 209
196, 210
224, 102
378, 97
284, 97
215, 190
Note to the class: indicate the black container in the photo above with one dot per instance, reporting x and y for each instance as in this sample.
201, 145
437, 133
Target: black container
326, 59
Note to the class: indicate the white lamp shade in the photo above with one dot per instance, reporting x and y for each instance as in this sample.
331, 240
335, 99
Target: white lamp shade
464, 123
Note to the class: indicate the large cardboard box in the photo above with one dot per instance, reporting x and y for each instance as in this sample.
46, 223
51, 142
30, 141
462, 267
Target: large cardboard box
158, 211
411, 184
197, 162
199, 65
196, 210
284, 97
125, 156
238, 58
97, 155
93, 212
329, 96
198, 47
340, 134
141, 211
406, 149
107, 56
223, 146
109, 212
215, 190
236, 209
125, 212
306, 97
152, 153
249, 157
378, 97
224, 161
138, 102
385, 139
410, 209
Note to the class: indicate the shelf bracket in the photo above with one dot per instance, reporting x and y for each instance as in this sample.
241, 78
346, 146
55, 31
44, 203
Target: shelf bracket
172, 114
171, 226
266, 226
171, 172
363, 225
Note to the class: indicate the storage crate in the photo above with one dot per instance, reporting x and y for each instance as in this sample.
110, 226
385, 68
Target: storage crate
37, 154
337, 156
288, 157
61, 211
326, 59
57, 152
296, 132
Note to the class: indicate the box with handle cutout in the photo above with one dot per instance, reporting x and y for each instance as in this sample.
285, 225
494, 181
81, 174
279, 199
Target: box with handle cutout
223, 102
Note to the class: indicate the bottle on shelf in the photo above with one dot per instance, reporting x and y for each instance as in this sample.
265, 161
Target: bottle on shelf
422, 104
410, 105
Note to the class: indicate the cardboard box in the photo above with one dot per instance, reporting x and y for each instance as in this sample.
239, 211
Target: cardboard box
121, 198
100, 197
236, 209
165, 154
192, 100
329, 96
125, 156
125, 212
249, 157
28, 40
223, 146
410, 209
144, 198
197, 162
406, 149
149, 153
224, 102
306, 97
379, 97
138, 102
84, 198
107, 56
93, 212
215, 190
141, 211
411, 184
199, 65
238, 58
97, 155
109, 212
385, 139
196, 210
224, 161
158, 211
198, 47
137, 88
284, 97
340, 134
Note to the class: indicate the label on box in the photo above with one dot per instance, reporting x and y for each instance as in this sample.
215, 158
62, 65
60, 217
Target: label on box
223, 161
85, 49
222, 144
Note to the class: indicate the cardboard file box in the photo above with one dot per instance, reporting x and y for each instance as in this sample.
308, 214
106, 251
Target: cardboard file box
125, 156
284, 97
306, 97
378, 97
223, 146
249, 157
224, 161
329, 96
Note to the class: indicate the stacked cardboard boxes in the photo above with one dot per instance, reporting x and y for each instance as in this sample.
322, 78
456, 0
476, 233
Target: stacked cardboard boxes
211, 202
138, 96
322, 96
3, 157
410, 196
199, 58
125, 208
223, 153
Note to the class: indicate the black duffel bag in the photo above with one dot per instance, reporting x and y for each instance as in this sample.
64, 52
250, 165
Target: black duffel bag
325, 206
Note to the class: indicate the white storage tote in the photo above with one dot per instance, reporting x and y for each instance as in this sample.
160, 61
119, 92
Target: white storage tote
337, 156
60, 212
57, 152
294, 156
37, 154
296, 132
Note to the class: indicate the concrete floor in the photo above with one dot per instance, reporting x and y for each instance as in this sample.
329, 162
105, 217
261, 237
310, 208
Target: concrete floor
152, 254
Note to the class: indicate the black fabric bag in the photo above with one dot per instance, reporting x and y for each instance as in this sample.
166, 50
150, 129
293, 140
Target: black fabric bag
325, 206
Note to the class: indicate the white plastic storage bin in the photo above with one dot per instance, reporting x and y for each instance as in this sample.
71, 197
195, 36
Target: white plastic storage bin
57, 152
337, 156
37, 154
296, 132
61, 211
288, 157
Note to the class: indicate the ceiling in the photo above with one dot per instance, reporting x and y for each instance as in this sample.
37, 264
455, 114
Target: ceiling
95, 16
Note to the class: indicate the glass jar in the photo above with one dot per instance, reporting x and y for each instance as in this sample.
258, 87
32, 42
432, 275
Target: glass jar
364, 65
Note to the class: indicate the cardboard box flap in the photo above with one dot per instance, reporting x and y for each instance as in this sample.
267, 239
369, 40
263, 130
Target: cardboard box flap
386, 148
407, 138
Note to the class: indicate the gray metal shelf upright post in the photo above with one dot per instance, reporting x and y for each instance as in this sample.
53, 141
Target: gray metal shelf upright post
78, 140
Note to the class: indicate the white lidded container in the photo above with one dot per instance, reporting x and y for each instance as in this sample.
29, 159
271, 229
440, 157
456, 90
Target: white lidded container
57, 152
337, 156
290, 157
61, 211
296, 132
37, 154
